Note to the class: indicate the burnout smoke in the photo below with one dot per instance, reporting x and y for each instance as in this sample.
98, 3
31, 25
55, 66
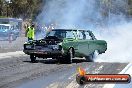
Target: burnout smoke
119, 39
70, 13
107, 18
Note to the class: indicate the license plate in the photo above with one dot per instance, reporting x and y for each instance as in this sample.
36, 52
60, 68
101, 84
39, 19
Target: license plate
40, 52
28, 46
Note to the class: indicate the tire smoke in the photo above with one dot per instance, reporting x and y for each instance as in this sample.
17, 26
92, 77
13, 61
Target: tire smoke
106, 18
119, 40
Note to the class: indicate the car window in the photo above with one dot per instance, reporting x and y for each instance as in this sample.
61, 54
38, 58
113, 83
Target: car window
4, 27
74, 33
59, 34
87, 35
0, 26
70, 34
80, 35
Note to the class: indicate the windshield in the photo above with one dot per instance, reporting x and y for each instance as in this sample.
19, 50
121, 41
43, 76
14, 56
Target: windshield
62, 33
3, 27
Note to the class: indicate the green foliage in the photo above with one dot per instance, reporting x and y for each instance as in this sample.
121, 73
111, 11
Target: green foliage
31, 8
20, 8
130, 7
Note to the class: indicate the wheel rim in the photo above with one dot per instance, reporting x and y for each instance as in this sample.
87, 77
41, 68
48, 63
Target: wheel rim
70, 55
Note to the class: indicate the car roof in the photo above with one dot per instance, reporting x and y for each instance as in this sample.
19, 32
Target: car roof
70, 30
11, 19
5, 24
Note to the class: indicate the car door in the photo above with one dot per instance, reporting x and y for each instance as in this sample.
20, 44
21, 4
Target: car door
82, 44
70, 40
91, 42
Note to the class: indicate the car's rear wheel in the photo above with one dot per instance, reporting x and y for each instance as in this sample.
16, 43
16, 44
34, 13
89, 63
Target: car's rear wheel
92, 56
12, 37
33, 58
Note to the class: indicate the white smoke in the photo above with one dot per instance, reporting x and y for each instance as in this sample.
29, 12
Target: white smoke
70, 13
119, 39
87, 14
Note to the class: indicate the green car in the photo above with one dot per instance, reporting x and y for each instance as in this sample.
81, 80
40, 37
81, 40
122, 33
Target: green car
65, 44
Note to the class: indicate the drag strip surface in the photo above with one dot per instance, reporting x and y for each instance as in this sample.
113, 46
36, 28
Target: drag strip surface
66, 77
18, 72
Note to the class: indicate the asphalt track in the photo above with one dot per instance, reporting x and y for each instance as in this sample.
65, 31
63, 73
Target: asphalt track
16, 71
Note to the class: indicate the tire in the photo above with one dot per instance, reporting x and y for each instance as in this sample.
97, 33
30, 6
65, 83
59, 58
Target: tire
12, 37
69, 56
92, 56
33, 58
89, 58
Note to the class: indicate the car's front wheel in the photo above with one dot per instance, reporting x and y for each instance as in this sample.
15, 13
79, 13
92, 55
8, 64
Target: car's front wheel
33, 58
69, 56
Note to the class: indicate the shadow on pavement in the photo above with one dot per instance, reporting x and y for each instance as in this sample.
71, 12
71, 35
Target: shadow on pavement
53, 61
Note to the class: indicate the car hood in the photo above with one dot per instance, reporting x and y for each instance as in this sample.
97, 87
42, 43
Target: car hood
50, 40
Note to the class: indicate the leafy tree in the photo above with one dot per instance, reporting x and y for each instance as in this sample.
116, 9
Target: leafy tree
130, 7
31, 8
20, 8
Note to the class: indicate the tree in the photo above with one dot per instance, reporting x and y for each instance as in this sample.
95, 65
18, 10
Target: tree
20, 8
130, 7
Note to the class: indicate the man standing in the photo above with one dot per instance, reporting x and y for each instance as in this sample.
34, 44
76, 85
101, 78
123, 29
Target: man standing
30, 32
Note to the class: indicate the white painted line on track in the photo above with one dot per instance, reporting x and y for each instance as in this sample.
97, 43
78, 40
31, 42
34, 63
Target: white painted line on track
11, 54
126, 70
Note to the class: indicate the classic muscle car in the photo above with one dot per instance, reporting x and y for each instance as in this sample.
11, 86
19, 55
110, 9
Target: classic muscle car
65, 44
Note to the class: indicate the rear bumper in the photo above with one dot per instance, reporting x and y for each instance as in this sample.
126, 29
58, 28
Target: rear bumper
42, 54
